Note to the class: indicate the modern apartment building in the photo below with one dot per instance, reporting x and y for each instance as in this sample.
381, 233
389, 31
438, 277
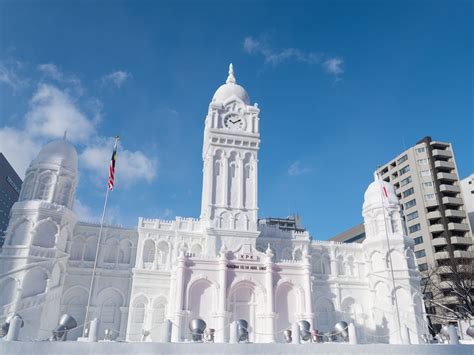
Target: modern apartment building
467, 189
10, 185
427, 183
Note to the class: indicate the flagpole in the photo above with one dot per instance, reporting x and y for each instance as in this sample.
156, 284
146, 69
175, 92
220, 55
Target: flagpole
96, 260
390, 258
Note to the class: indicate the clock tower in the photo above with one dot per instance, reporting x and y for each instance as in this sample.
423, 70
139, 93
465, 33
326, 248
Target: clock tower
230, 155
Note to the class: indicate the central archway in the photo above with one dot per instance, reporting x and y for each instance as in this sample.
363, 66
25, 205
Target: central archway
243, 304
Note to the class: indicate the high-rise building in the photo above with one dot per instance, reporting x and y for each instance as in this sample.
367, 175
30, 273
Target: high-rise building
467, 188
10, 185
426, 181
355, 234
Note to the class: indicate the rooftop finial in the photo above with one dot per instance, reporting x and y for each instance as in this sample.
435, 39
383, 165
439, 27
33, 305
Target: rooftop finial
65, 135
231, 77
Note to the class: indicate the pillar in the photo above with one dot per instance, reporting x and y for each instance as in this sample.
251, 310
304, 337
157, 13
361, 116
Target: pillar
222, 304
269, 336
179, 313
307, 288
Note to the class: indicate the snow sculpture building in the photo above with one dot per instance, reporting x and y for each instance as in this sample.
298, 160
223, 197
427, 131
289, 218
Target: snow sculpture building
221, 267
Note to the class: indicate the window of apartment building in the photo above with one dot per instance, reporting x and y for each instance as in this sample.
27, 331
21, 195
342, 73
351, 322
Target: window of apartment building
410, 203
402, 159
408, 192
418, 240
404, 170
428, 184
423, 267
405, 181
422, 161
411, 216
420, 253
429, 197
414, 228
421, 150
425, 173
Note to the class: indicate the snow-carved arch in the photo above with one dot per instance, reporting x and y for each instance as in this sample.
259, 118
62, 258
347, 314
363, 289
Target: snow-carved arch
324, 313
8, 290
149, 250
125, 252
21, 232
45, 233
34, 282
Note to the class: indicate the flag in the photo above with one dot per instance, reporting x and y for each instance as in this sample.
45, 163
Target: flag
112, 166
385, 192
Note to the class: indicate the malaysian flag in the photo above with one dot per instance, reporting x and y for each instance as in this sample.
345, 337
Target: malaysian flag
112, 166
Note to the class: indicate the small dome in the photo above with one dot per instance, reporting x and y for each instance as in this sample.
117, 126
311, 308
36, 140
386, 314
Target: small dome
58, 152
231, 88
378, 193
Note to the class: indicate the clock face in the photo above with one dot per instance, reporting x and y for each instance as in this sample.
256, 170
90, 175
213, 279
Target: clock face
234, 122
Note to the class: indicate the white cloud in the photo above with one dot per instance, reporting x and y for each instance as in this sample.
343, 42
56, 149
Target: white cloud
52, 112
19, 148
84, 212
116, 78
296, 169
52, 71
9, 77
334, 66
130, 166
275, 57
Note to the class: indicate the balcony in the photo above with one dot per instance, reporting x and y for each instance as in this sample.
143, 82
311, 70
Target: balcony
446, 177
462, 254
450, 188
444, 164
455, 213
441, 255
464, 227
442, 153
433, 215
436, 242
436, 228
455, 201
461, 240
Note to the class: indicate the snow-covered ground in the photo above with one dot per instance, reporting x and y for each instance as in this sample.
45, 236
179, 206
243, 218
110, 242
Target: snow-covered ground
143, 348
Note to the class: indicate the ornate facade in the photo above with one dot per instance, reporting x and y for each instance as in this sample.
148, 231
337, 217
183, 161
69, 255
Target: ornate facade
221, 267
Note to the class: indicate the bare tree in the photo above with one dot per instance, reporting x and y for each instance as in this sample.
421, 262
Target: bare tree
449, 290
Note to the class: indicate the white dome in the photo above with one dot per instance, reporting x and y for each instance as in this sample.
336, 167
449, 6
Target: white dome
231, 88
58, 152
378, 193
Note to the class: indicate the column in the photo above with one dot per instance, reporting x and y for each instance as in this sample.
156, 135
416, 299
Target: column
222, 304
269, 330
307, 288
123, 323
240, 181
178, 309
225, 179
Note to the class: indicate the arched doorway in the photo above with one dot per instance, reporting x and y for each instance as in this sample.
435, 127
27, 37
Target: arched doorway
243, 305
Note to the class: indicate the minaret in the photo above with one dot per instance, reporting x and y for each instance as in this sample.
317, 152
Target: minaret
392, 274
33, 258
230, 156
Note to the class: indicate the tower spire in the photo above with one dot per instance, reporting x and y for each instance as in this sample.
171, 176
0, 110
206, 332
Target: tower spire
231, 77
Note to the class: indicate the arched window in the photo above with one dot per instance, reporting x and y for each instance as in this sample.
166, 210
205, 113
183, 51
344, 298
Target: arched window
111, 251
139, 313
340, 265
77, 247
298, 255
44, 187
163, 250
326, 264
27, 187
196, 250
64, 192
125, 252
45, 234
149, 251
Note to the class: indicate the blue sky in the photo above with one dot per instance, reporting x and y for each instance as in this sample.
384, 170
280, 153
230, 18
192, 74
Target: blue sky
334, 81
